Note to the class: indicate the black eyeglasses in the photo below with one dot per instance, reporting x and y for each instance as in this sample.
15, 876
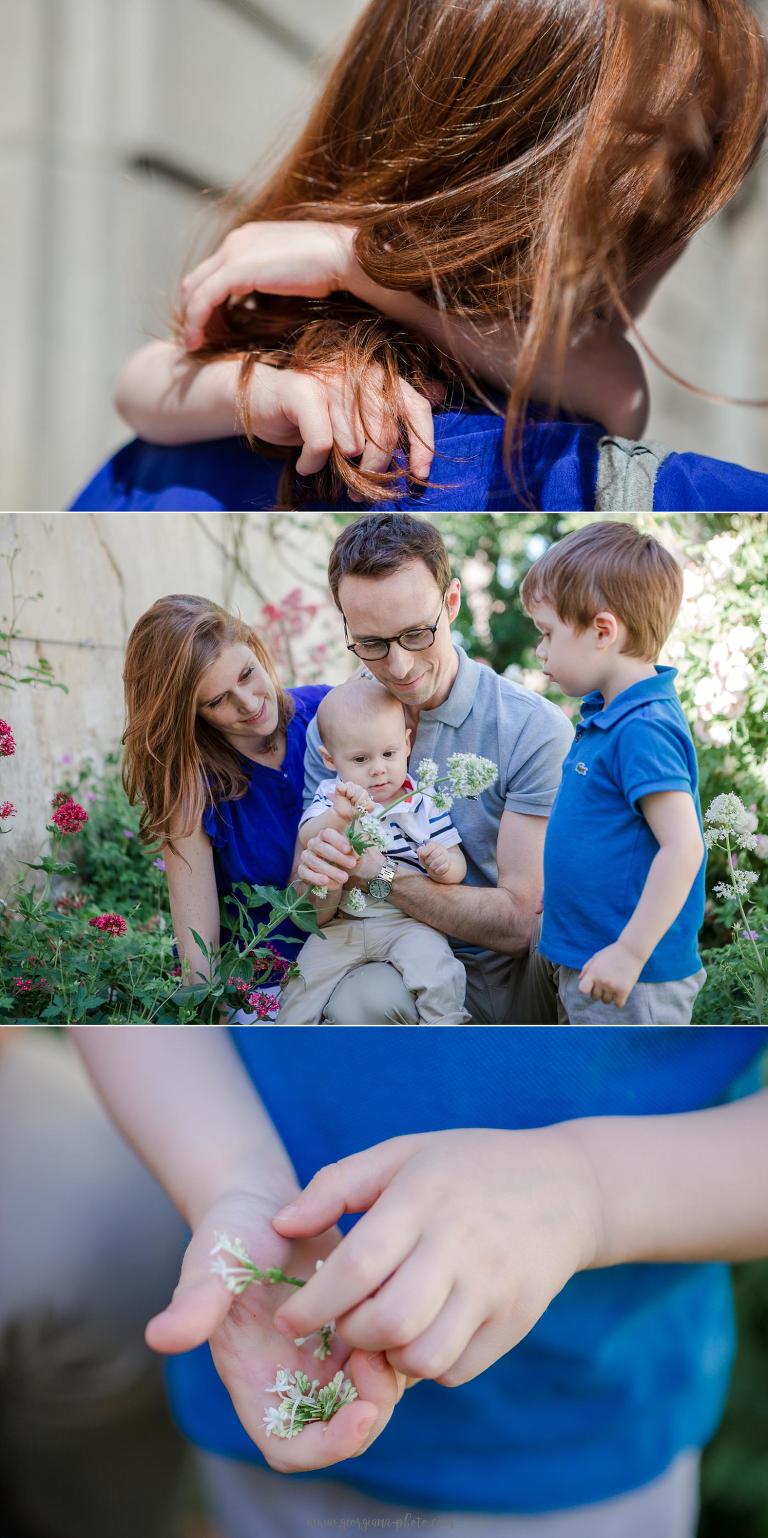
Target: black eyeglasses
376, 647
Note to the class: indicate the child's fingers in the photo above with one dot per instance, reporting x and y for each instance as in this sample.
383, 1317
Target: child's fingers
433, 1353
421, 431
349, 1432
347, 429
314, 422
198, 1306
406, 1305
350, 1185
376, 1246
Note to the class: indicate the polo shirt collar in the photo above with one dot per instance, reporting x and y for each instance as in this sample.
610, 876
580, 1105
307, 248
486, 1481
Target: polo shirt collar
658, 688
455, 709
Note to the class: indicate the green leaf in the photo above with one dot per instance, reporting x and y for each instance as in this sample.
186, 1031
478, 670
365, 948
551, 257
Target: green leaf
199, 941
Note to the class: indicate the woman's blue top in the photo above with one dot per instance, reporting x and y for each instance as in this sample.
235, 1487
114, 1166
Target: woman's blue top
627, 1366
254, 838
559, 460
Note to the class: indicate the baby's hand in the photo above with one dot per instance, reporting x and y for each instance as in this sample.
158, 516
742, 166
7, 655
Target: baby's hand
286, 407
611, 974
304, 257
350, 800
467, 1237
435, 858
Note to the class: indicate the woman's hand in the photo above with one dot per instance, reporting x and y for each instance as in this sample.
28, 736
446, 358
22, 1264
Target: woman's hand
247, 1350
467, 1237
327, 860
303, 257
319, 410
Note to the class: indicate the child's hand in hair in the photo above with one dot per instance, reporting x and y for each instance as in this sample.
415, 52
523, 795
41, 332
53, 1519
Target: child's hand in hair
318, 411
302, 257
466, 1238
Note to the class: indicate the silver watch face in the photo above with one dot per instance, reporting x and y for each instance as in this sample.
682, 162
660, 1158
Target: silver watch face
379, 888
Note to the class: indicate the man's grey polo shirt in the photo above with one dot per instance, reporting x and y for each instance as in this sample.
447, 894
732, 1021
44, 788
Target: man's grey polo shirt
526, 735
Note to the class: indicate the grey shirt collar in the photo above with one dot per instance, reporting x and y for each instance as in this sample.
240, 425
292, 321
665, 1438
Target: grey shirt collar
455, 709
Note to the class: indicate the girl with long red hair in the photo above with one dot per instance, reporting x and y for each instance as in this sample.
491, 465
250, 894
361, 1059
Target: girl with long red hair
485, 194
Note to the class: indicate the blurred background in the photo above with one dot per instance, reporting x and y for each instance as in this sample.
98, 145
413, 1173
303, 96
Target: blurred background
118, 126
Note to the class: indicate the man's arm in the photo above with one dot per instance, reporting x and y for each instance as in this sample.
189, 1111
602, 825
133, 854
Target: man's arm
499, 918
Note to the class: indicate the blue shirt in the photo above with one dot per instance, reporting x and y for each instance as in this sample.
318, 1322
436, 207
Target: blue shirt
627, 1366
254, 838
559, 462
599, 847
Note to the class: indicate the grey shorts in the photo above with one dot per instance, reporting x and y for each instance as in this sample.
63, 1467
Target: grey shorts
248, 1502
647, 1004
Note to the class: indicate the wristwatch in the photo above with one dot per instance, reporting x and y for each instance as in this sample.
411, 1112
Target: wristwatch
380, 886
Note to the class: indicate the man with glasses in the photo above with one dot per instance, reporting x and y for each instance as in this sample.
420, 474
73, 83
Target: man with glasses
391, 581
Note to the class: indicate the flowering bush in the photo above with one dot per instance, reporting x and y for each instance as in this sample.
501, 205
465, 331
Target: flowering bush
7, 744
737, 974
94, 943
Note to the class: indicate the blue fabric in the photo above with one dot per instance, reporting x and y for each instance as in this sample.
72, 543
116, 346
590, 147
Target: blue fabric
559, 460
254, 838
599, 847
627, 1366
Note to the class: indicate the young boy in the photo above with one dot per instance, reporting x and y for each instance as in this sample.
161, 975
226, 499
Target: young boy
365, 741
624, 858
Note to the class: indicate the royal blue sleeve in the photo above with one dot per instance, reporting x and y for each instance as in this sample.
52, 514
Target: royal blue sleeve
698, 484
651, 756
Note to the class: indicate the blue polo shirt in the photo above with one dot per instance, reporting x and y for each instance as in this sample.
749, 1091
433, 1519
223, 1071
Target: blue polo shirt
254, 838
599, 847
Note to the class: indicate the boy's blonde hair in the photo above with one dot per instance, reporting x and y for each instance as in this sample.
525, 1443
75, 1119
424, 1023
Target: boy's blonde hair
610, 566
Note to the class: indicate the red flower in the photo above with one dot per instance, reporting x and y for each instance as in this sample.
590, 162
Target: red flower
60, 798
23, 984
109, 923
7, 810
176, 971
263, 1003
69, 816
7, 744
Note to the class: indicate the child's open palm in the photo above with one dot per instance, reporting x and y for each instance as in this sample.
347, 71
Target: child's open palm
247, 1350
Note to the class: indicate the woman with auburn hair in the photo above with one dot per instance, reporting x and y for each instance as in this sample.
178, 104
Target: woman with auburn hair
214, 749
486, 194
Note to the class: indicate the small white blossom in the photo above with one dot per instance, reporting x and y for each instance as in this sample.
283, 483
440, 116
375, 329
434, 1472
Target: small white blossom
303, 1401
728, 811
441, 800
426, 774
320, 892
373, 830
355, 901
739, 885
469, 774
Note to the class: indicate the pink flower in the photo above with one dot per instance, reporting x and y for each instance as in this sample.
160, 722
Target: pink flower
23, 984
7, 810
263, 1003
176, 971
109, 923
127, 833
7, 744
159, 863
69, 816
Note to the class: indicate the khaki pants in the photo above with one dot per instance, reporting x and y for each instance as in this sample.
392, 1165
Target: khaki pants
90, 1248
501, 990
251, 1502
430, 972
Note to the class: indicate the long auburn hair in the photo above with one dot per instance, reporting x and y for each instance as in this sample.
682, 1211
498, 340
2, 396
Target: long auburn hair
176, 763
523, 159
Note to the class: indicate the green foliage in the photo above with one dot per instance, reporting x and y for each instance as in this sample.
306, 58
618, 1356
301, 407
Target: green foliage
56, 967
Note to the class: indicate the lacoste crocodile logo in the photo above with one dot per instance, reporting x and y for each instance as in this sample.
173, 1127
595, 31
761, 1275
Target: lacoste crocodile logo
582, 769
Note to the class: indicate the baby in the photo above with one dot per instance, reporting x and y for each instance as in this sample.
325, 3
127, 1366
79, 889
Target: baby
365, 741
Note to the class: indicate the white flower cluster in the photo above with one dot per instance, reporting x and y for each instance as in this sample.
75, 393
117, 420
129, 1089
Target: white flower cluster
727, 815
302, 1401
738, 886
470, 774
734, 661
467, 774
354, 901
373, 830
